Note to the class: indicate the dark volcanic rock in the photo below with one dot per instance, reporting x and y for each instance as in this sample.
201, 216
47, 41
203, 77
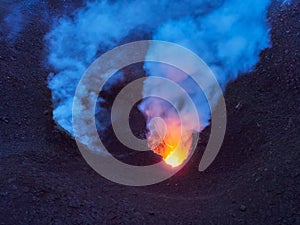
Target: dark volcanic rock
254, 180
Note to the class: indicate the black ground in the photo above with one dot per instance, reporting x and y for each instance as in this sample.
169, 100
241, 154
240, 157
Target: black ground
254, 180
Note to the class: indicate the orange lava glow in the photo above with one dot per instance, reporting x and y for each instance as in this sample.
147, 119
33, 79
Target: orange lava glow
172, 155
174, 146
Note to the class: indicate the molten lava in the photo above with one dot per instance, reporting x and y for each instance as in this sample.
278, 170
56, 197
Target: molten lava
172, 144
172, 155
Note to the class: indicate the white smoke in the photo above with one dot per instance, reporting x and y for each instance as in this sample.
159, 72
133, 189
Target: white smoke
75, 42
229, 39
227, 34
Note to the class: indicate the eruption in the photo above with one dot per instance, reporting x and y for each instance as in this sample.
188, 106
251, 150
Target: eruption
227, 34
173, 148
169, 139
223, 40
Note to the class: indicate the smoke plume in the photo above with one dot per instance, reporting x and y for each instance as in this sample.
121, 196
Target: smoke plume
229, 39
227, 34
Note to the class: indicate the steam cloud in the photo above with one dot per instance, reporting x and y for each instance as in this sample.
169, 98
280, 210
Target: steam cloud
227, 34
228, 38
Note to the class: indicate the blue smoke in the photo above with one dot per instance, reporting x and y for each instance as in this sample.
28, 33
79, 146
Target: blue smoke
227, 34
229, 39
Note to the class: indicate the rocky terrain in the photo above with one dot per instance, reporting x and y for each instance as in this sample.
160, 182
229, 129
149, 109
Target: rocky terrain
255, 179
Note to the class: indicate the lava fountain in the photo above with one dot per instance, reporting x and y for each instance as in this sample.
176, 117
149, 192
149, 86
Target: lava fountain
169, 140
168, 136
